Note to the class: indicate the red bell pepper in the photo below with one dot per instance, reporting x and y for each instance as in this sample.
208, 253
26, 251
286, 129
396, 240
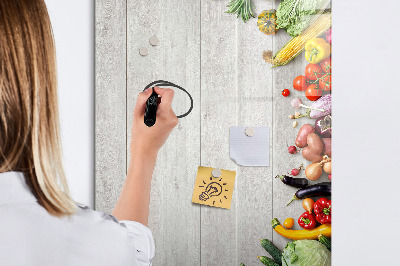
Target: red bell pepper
323, 210
307, 220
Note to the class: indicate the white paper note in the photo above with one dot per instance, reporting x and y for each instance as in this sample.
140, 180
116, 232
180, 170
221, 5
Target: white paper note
249, 151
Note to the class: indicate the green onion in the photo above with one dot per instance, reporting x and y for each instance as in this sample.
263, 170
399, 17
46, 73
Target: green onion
242, 8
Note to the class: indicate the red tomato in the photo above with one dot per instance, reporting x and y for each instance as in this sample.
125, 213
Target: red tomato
313, 71
325, 83
313, 93
326, 65
285, 93
300, 83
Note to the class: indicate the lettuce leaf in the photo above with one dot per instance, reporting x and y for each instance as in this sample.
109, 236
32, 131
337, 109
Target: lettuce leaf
295, 15
306, 253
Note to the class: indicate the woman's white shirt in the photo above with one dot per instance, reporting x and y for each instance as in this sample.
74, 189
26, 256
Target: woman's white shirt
29, 235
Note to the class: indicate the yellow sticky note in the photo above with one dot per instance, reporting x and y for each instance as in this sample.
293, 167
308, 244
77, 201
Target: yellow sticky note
211, 191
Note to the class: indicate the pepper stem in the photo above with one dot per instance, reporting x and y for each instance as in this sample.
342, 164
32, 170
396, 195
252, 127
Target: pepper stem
327, 211
313, 53
306, 221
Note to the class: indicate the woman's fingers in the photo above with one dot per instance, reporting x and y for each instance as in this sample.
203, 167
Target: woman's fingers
141, 102
165, 109
167, 95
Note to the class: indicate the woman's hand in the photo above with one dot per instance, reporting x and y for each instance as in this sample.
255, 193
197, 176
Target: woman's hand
148, 140
134, 200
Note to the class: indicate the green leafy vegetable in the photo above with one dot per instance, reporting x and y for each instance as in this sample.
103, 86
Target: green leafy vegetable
291, 254
306, 253
295, 15
242, 8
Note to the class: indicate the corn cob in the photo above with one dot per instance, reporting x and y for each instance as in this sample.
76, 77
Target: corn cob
296, 45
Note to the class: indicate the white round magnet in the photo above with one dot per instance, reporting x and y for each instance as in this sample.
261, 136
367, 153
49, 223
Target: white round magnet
154, 41
216, 173
143, 51
249, 131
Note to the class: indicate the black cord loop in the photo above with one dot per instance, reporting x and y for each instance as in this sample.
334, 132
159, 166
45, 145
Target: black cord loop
164, 83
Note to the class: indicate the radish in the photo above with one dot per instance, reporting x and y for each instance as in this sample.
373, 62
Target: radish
296, 171
292, 150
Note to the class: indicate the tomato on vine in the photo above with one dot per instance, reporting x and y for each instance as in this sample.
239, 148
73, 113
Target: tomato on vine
326, 65
285, 93
325, 82
313, 72
300, 83
313, 93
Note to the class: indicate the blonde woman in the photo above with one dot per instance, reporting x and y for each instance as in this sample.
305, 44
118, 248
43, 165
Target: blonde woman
40, 222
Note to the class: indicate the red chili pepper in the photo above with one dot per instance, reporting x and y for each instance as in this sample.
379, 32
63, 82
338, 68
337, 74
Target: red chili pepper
323, 210
307, 220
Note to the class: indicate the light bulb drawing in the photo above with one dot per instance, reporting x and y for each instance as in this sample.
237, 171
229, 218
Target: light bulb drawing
213, 189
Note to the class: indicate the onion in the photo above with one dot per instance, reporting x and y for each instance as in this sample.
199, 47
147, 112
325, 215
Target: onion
324, 103
297, 103
323, 126
308, 204
328, 168
314, 171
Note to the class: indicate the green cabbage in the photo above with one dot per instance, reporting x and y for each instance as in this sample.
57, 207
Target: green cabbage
306, 253
295, 15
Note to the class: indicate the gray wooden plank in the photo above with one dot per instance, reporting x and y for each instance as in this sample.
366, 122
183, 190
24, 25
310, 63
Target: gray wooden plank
284, 135
110, 126
254, 99
174, 220
218, 112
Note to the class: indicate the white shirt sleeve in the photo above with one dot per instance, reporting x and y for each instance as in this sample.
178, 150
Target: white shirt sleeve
142, 240
139, 235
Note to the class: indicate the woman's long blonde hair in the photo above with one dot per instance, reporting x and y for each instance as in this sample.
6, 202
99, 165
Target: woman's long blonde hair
29, 120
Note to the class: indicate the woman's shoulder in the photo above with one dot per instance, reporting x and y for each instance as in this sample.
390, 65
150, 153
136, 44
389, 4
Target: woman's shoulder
85, 213
133, 230
97, 222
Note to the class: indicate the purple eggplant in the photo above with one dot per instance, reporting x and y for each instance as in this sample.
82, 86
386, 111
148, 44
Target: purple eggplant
323, 126
294, 182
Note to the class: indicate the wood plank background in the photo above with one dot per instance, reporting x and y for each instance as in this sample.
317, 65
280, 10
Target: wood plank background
218, 59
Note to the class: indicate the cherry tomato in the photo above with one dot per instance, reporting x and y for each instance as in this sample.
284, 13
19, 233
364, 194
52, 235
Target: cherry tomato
285, 93
300, 83
313, 93
325, 83
326, 65
288, 223
313, 71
